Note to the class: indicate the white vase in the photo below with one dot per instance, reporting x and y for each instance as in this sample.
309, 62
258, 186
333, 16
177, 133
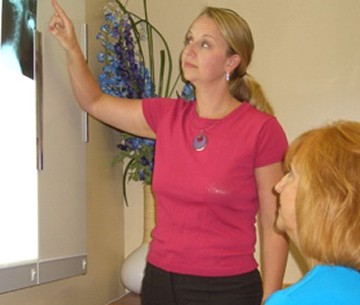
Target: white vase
132, 270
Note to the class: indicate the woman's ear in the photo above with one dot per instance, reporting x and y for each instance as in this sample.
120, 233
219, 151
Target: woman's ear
233, 62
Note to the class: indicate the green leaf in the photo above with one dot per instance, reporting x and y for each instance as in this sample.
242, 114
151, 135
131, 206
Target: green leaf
124, 181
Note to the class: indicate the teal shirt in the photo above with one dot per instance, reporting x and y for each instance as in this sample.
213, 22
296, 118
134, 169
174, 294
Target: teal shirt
324, 284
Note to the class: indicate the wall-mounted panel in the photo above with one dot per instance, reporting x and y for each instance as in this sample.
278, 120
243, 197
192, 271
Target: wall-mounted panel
43, 162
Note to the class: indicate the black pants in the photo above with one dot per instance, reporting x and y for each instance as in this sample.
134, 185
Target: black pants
164, 288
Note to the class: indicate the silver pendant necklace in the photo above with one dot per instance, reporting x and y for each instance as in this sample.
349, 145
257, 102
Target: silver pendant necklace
200, 141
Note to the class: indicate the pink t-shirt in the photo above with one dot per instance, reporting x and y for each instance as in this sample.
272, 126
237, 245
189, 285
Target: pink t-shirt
207, 200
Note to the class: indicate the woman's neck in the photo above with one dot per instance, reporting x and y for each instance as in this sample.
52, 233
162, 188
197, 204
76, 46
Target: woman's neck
215, 106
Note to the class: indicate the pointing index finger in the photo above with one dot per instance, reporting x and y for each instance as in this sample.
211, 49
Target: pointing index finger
58, 10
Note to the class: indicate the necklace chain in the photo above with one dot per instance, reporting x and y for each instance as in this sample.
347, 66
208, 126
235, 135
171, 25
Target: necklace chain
201, 140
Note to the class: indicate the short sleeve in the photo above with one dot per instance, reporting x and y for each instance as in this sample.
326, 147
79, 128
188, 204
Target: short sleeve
272, 143
154, 109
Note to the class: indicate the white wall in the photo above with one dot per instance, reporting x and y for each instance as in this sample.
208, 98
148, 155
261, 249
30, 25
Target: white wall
307, 58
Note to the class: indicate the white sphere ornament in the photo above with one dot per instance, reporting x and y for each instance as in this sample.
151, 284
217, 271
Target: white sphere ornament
132, 270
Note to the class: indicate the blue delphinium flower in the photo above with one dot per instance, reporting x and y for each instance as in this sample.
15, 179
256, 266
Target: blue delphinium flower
125, 74
188, 92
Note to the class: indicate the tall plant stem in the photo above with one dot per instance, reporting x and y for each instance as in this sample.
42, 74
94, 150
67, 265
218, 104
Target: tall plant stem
150, 41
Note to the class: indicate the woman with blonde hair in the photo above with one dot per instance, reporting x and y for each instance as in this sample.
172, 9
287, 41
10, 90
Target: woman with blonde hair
217, 160
320, 211
237, 34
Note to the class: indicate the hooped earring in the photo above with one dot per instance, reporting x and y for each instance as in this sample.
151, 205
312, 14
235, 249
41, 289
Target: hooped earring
227, 76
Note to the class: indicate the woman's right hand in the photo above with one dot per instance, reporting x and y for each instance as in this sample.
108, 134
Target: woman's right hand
123, 114
62, 28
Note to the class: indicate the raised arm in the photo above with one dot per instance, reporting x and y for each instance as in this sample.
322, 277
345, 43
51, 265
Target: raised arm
274, 246
124, 114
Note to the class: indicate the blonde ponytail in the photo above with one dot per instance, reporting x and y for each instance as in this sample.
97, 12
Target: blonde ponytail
248, 89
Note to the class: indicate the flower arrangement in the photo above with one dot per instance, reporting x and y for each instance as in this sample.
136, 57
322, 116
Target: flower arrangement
129, 70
